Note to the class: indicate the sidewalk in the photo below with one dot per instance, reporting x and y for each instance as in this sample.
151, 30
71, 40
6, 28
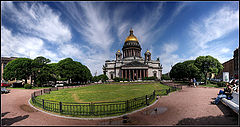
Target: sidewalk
188, 106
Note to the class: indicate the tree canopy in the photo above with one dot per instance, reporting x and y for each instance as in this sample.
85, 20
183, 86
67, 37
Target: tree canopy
42, 71
197, 68
19, 68
208, 64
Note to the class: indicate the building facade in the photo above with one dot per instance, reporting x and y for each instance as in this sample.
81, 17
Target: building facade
129, 63
236, 63
4, 61
228, 67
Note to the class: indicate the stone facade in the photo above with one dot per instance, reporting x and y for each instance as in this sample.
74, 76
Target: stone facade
228, 67
236, 63
130, 64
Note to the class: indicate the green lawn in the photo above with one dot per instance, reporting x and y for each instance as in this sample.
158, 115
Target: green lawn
103, 92
100, 93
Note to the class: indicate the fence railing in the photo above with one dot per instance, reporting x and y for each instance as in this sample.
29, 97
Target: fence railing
95, 108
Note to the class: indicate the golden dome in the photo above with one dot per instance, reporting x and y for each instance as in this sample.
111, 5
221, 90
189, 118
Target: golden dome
131, 37
118, 50
148, 51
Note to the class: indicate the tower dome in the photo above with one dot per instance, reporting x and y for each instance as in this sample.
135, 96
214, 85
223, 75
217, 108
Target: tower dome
131, 37
131, 41
131, 47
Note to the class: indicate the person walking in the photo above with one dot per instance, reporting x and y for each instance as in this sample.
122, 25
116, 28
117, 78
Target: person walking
194, 82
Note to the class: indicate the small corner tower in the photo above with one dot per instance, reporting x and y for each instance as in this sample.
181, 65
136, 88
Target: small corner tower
118, 55
147, 55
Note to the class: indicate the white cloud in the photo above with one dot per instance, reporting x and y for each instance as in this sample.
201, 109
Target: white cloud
168, 56
38, 20
225, 50
214, 26
23, 46
86, 55
208, 34
92, 21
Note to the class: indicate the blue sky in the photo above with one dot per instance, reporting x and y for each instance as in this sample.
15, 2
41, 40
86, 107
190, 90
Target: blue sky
92, 32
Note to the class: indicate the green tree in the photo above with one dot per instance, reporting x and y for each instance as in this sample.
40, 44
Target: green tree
103, 77
53, 72
73, 70
191, 70
19, 68
178, 71
165, 77
185, 70
208, 64
66, 68
87, 74
40, 70
95, 79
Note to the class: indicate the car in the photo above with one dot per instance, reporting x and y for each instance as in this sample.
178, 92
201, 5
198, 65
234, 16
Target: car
59, 85
5, 84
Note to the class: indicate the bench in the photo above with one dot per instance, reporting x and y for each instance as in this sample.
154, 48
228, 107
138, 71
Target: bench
233, 103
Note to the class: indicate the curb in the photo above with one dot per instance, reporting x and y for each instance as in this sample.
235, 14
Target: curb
92, 118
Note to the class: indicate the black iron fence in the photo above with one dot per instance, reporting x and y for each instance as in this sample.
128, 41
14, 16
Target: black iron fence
96, 108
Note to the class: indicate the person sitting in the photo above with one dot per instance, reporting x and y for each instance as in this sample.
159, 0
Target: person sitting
227, 93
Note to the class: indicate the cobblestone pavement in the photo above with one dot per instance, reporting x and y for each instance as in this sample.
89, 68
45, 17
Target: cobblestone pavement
190, 106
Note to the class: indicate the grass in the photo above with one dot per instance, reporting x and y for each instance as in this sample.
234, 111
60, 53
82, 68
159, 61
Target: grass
102, 93
89, 116
99, 93
28, 89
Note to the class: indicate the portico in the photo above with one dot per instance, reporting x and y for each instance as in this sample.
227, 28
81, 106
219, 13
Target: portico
134, 74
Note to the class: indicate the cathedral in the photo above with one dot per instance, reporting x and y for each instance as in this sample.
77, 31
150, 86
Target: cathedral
129, 63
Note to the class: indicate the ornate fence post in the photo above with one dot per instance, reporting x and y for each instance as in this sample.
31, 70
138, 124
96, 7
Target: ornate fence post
167, 91
60, 107
91, 108
43, 103
41, 92
147, 100
34, 94
126, 106
154, 94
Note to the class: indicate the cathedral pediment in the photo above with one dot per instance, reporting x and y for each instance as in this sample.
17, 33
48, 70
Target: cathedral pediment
135, 64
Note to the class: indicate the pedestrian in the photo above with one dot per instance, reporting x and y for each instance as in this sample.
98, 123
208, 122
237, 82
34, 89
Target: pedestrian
190, 83
194, 82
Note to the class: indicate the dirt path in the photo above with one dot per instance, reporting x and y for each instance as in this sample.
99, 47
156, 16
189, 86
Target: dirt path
188, 106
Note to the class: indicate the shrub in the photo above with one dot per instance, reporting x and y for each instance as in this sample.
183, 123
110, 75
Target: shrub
28, 86
165, 77
221, 84
208, 82
213, 82
117, 79
149, 78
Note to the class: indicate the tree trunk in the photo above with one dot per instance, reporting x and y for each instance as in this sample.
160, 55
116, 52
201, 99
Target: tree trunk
25, 80
205, 78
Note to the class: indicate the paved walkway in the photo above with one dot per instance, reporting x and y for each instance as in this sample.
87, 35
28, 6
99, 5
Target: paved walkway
186, 107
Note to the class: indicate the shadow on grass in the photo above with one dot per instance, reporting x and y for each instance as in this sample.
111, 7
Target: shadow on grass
10, 121
229, 118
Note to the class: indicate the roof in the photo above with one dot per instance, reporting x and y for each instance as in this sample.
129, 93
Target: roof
135, 64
